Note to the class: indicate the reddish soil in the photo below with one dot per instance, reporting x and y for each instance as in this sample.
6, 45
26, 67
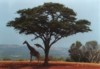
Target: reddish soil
52, 65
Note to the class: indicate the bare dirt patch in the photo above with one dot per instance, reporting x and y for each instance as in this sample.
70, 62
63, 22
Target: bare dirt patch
52, 65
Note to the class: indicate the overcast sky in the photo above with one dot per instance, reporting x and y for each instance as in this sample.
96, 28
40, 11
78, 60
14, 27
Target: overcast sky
85, 9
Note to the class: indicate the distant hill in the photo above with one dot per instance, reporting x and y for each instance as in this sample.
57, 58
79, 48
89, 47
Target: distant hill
15, 52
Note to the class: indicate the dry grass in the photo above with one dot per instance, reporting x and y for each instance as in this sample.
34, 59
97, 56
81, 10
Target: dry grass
52, 65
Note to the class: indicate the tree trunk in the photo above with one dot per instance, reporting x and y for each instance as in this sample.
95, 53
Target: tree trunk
46, 51
46, 57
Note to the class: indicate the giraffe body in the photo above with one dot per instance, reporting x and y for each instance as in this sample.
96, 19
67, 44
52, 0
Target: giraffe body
32, 50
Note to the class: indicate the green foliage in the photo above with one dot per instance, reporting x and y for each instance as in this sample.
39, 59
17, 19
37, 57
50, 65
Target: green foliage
6, 59
68, 59
91, 45
21, 59
51, 58
87, 53
56, 59
75, 51
50, 18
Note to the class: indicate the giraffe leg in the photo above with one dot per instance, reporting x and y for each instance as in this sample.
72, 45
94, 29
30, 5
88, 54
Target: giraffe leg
38, 60
30, 58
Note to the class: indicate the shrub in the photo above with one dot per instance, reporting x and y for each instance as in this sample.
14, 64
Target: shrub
6, 59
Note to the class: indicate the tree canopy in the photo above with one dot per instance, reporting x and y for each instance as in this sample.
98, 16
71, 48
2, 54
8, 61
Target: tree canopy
49, 22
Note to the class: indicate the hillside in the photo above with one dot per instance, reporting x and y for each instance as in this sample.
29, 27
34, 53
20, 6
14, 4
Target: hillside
21, 52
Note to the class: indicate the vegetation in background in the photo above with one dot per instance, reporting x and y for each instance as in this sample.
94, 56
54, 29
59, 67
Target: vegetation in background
90, 52
41, 59
6, 59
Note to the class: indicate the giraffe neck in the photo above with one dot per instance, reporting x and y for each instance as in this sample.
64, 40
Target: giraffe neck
28, 45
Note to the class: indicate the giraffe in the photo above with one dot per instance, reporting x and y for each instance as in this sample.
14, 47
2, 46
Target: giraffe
33, 52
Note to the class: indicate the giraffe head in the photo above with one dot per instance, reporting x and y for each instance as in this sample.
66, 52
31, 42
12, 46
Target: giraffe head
25, 42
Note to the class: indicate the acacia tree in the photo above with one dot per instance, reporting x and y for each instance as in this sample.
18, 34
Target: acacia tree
50, 22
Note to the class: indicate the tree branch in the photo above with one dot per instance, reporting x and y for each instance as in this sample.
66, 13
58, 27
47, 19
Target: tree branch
56, 39
38, 45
